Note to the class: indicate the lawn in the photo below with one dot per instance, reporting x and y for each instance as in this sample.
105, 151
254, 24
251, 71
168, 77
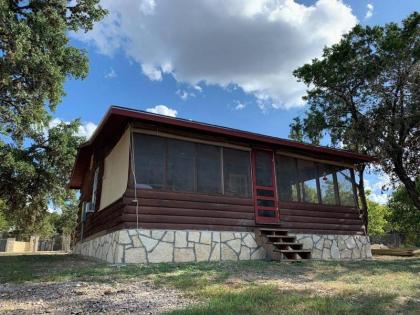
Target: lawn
380, 286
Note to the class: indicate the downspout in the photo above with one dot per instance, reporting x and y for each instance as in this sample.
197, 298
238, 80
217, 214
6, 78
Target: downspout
133, 170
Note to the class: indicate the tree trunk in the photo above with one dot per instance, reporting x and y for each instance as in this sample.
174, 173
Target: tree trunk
409, 184
362, 196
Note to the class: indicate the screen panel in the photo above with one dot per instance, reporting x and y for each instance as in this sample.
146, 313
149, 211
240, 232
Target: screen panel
150, 159
181, 165
236, 172
287, 179
209, 177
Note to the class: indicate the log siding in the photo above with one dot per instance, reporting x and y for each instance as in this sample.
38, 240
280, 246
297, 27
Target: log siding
160, 209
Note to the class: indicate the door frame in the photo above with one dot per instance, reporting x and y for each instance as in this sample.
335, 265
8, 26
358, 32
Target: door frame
264, 219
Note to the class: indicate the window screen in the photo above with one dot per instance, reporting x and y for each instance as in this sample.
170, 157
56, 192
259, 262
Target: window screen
326, 184
307, 178
287, 183
345, 188
180, 166
150, 156
236, 172
209, 177
264, 171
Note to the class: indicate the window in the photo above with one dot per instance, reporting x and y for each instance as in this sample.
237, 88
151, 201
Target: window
150, 159
345, 188
308, 181
177, 165
209, 177
236, 171
326, 184
180, 165
286, 173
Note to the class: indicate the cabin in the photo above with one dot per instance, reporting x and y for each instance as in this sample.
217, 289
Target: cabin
160, 189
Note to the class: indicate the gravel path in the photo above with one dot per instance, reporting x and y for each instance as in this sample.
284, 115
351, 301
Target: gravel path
78, 297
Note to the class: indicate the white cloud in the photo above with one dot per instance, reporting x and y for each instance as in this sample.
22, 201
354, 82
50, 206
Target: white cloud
184, 95
239, 105
198, 88
86, 129
255, 44
377, 194
163, 110
369, 11
151, 72
111, 74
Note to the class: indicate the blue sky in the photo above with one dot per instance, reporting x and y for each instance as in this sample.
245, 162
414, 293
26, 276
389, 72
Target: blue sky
148, 53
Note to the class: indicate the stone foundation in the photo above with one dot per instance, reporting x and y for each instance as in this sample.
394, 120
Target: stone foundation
336, 247
156, 246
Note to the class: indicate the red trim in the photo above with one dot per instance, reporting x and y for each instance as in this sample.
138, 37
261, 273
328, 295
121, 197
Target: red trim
264, 219
313, 206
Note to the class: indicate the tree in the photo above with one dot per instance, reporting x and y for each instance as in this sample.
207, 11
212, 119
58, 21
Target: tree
364, 95
68, 218
4, 224
404, 217
35, 60
378, 215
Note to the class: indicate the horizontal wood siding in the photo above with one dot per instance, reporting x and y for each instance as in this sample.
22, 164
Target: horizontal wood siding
104, 220
308, 218
173, 210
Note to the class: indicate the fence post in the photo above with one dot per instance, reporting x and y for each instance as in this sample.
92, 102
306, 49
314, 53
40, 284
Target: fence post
65, 243
34, 243
10, 243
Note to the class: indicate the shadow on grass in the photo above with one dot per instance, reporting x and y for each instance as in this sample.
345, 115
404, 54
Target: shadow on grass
69, 267
271, 300
38, 268
331, 271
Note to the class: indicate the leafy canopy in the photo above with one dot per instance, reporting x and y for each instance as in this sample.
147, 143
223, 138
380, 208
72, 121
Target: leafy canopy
35, 60
364, 95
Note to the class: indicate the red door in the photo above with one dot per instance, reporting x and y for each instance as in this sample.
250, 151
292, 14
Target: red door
265, 192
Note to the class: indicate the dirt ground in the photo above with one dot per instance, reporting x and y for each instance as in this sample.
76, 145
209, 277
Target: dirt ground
77, 297
67, 284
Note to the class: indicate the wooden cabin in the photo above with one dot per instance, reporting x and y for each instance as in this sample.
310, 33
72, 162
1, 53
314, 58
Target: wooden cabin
162, 189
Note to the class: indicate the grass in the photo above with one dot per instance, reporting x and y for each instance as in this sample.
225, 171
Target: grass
366, 287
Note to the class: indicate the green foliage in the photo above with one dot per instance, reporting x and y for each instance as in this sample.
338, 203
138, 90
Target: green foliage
364, 95
378, 214
67, 220
35, 60
404, 217
4, 224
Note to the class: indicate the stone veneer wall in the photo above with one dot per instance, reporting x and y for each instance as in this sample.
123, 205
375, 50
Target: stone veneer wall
155, 246
336, 247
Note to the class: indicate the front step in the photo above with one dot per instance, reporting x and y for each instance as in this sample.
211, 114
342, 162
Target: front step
283, 238
285, 245
295, 254
280, 246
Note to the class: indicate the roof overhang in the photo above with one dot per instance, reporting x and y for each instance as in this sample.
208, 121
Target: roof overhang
117, 118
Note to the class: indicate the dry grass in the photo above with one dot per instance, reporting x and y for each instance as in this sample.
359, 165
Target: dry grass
381, 286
